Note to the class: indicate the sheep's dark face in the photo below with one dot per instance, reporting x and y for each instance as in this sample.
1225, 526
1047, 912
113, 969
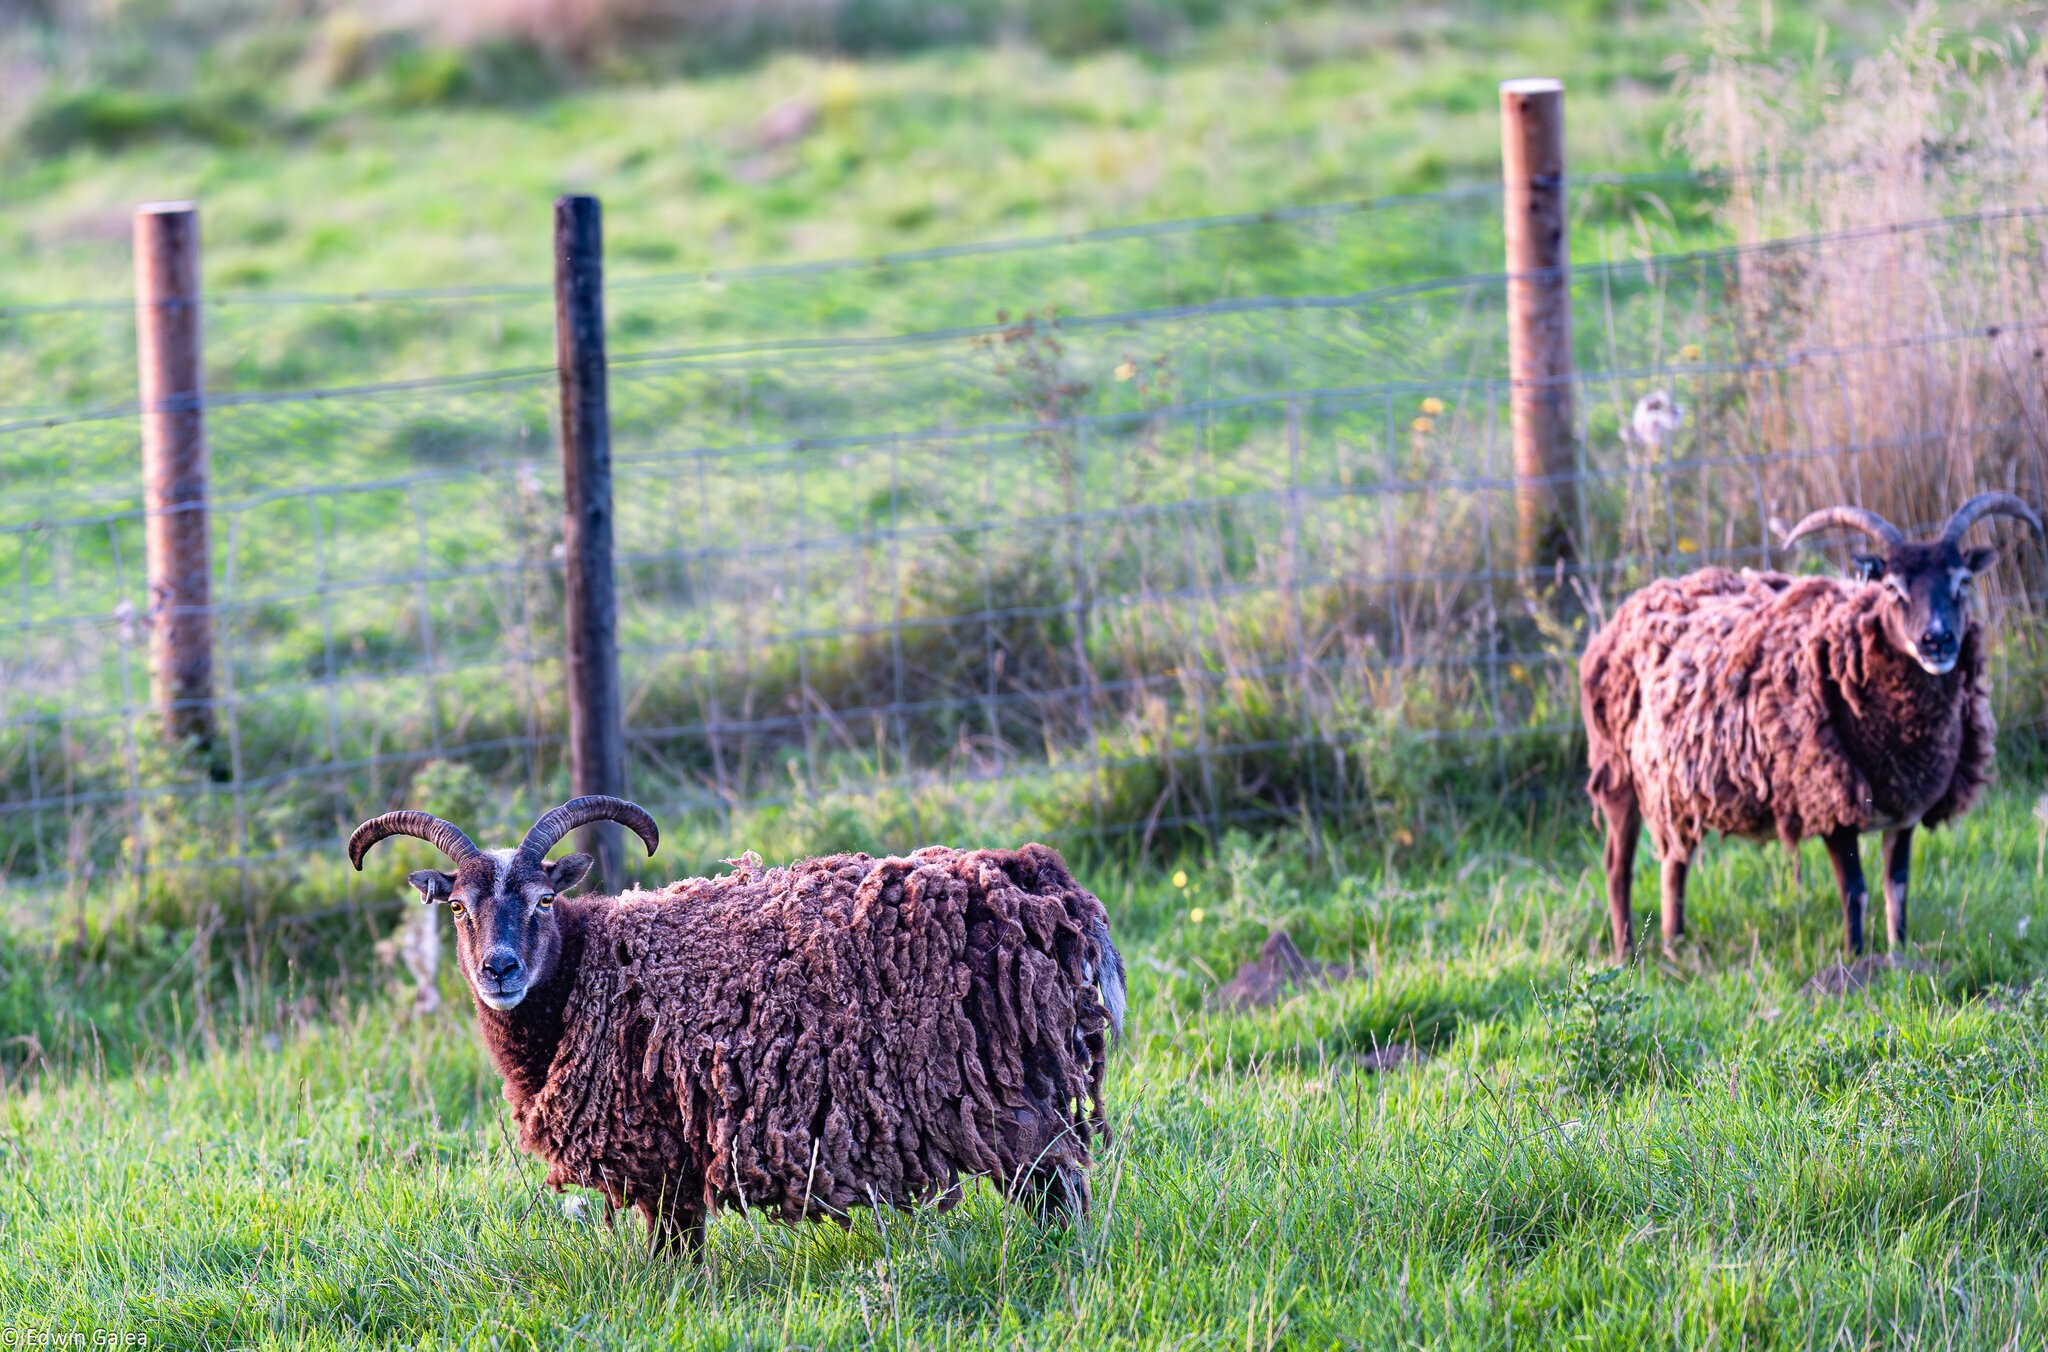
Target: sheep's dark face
506, 938
1927, 587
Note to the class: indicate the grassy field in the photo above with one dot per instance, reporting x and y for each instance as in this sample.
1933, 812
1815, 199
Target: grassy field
1696, 1153
220, 1126
794, 156
1306, 104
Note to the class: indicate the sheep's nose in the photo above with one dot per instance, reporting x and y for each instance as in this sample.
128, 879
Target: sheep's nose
501, 965
1938, 642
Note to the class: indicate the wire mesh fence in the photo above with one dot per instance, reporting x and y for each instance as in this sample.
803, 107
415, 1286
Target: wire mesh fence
64, 355
1122, 576
69, 355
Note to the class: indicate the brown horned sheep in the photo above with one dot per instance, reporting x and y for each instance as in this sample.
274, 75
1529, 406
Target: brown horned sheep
1765, 705
840, 1033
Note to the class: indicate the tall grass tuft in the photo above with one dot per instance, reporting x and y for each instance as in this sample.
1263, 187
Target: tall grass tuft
1935, 123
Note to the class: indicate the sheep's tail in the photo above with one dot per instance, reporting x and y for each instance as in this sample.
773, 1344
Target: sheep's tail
1109, 975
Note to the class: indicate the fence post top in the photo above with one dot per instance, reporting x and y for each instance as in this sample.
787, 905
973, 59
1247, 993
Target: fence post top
166, 208
1535, 84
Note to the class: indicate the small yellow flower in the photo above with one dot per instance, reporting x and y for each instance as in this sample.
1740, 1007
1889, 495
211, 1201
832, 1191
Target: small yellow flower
1432, 406
1688, 545
1197, 916
1127, 370
1404, 837
1691, 352
1517, 672
842, 88
1180, 877
1422, 424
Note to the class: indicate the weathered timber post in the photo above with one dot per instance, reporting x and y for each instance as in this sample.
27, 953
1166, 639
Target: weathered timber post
597, 743
171, 394
1539, 323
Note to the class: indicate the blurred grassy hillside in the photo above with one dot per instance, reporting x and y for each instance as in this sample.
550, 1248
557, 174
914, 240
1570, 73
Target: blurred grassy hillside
344, 148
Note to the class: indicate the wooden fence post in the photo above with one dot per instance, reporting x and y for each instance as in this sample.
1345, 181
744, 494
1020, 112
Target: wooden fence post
597, 744
1539, 323
171, 395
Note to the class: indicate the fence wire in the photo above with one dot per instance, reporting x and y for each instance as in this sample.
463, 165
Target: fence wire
68, 356
1123, 575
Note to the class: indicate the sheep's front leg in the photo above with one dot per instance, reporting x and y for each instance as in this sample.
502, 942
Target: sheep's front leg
1848, 862
1898, 867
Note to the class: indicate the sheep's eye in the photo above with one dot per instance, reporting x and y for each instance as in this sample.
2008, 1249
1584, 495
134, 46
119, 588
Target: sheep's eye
455, 908
547, 901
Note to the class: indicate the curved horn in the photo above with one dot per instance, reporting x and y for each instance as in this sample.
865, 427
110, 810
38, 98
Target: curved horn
1989, 504
576, 812
1855, 518
446, 837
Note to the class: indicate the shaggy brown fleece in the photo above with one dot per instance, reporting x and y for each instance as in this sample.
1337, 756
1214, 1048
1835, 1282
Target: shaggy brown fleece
843, 1032
1760, 704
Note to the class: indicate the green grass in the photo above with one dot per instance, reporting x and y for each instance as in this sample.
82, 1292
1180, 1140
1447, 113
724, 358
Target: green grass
1281, 106
240, 1139
1764, 1169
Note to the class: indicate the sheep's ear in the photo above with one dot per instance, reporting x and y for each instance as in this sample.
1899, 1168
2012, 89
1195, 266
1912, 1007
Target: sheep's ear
1869, 567
433, 884
569, 870
1980, 560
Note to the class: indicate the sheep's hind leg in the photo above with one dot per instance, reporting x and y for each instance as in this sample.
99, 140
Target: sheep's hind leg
1624, 825
673, 1230
1675, 871
1898, 868
1847, 858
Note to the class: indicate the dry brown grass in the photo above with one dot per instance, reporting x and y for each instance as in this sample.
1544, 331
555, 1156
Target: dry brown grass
1933, 338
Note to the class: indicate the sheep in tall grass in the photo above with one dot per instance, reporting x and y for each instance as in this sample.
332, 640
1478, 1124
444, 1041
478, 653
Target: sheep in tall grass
1764, 705
840, 1033
1654, 420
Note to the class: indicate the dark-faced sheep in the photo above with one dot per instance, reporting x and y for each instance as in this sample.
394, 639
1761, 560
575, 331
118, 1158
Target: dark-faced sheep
840, 1033
1769, 706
